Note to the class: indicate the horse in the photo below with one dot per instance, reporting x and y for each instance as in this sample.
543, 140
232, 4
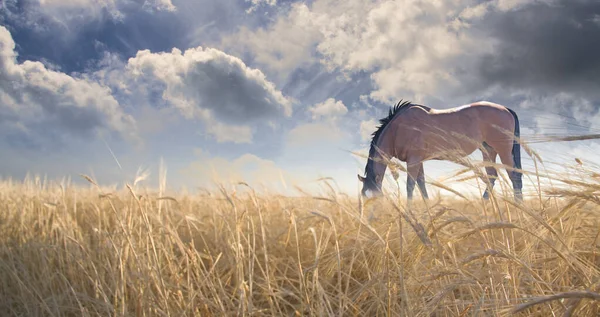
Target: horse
414, 133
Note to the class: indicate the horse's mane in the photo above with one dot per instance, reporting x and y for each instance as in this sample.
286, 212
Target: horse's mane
401, 105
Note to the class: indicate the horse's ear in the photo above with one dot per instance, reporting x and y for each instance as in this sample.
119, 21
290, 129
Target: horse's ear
360, 178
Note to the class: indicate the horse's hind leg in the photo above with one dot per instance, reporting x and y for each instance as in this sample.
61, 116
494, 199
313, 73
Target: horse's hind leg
515, 176
489, 155
413, 168
421, 182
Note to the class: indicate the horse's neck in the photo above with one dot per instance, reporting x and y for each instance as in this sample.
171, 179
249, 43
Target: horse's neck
393, 145
380, 158
379, 167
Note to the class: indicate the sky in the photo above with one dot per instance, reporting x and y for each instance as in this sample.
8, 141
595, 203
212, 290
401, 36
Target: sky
277, 93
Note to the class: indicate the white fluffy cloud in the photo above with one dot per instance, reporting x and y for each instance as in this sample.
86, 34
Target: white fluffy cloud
205, 84
37, 102
367, 127
210, 85
283, 46
408, 45
403, 42
415, 49
329, 108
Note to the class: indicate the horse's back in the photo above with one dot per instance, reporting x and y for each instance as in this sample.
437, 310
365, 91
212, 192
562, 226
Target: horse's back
461, 128
493, 114
480, 113
486, 107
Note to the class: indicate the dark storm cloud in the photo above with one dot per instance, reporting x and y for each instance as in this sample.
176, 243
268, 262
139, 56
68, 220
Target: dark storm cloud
545, 47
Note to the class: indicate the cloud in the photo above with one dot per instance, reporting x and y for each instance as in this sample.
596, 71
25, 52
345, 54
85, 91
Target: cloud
312, 133
439, 50
75, 39
409, 47
41, 104
228, 133
412, 49
511, 5
329, 108
316, 149
448, 53
565, 113
69, 13
248, 168
261, 173
475, 12
257, 3
210, 85
65, 11
341, 58
320, 149
284, 45
159, 5
367, 128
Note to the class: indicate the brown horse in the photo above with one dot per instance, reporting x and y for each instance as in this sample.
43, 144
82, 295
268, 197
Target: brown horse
415, 133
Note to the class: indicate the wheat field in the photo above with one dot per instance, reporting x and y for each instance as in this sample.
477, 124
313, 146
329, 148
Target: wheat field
72, 250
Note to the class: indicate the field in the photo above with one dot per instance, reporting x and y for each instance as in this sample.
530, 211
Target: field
69, 250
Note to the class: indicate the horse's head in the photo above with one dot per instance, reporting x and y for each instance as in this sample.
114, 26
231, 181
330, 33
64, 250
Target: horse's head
379, 155
372, 184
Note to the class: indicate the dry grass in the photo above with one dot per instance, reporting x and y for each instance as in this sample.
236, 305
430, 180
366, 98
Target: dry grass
78, 251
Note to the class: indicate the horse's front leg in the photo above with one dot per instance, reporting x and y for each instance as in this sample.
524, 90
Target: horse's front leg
410, 186
489, 155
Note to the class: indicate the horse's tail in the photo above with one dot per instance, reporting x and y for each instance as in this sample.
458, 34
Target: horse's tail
516, 150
